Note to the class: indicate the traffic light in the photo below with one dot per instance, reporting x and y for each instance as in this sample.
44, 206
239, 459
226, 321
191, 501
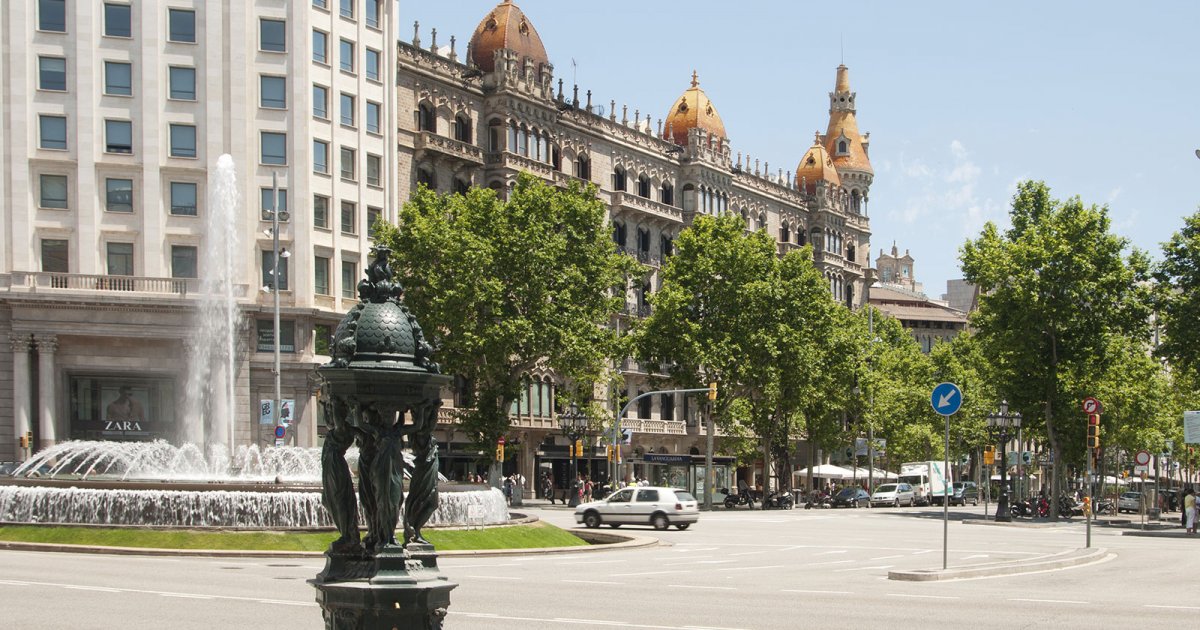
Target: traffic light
24, 441
499, 452
578, 448
608, 452
712, 391
989, 455
1093, 431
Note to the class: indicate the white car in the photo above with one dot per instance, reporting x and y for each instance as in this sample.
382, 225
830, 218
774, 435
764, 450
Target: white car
660, 507
894, 494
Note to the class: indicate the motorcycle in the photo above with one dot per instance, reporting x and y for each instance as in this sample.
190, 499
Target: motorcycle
1020, 507
1106, 506
734, 500
818, 499
779, 499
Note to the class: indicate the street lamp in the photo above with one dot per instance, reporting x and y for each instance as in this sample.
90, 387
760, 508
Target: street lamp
574, 425
1000, 423
277, 252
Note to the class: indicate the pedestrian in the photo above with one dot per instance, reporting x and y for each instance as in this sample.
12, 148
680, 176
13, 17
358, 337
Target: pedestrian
508, 489
588, 487
1189, 508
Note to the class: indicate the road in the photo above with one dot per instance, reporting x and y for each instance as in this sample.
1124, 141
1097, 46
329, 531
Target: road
735, 569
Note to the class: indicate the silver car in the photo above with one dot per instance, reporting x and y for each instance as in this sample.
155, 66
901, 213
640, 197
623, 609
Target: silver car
1130, 502
660, 507
893, 494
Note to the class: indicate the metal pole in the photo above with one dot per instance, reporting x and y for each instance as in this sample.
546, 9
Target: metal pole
946, 492
871, 401
1002, 515
1091, 499
708, 457
275, 289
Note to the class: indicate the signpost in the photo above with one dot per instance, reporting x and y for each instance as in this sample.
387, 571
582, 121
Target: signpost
946, 400
1191, 427
1093, 408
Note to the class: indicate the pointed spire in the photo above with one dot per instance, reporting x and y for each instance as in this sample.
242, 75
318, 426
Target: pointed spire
453, 55
416, 42
695, 79
843, 79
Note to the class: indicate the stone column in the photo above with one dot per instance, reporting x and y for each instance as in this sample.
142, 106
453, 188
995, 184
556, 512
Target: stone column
20, 348
46, 345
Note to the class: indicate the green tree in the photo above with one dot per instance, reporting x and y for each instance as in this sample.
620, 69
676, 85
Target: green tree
503, 287
1053, 288
901, 378
1178, 300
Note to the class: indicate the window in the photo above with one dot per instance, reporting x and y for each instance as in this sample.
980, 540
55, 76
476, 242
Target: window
181, 26
667, 195
322, 339
347, 163
374, 169
266, 205
321, 275
272, 92
426, 119
183, 83
619, 179
183, 141
118, 136
321, 156
118, 195
372, 13
320, 4
320, 211
266, 335
118, 78
346, 109
118, 20
52, 15
55, 258
320, 47
52, 74
346, 55
274, 147
53, 131
373, 117
52, 191
462, 128
183, 261
349, 209
583, 167
272, 35
183, 198
349, 273
643, 187
119, 259
373, 216
321, 102
268, 270
347, 8
372, 63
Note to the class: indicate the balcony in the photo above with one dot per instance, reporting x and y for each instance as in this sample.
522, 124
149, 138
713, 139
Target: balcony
515, 162
628, 202
784, 248
660, 427
48, 282
852, 267
427, 141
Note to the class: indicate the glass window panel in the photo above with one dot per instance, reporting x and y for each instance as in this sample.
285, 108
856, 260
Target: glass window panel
118, 136
372, 13
118, 20
320, 47
54, 256
320, 156
347, 8
320, 102
373, 117
348, 218
347, 163
118, 195
53, 131
183, 83
373, 215
53, 191
183, 261
52, 73
266, 203
266, 335
374, 170
52, 15
274, 147
373, 64
182, 25
349, 275
321, 275
118, 78
272, 35
120, 259
183, 198
346, 55
268, 269
183, 141
273, 92
320, 211
346, 108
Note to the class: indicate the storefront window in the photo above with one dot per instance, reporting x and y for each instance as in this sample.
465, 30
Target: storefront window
122, 408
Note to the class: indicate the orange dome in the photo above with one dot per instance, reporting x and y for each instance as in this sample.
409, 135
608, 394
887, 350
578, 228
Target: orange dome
693, 110
816, 166
505, 27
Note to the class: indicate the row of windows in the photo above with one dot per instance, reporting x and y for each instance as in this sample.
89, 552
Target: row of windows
118, 139
118, 20
347, 110
347, 163
372, 62
346, 8
118, 258
54, 193
118, 81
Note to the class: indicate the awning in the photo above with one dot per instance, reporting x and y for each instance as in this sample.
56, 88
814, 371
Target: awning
826, 471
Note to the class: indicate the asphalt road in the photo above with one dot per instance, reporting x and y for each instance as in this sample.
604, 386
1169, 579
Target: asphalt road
734, 569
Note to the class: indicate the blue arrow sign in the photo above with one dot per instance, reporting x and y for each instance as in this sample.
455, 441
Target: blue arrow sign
946, 399
280, 431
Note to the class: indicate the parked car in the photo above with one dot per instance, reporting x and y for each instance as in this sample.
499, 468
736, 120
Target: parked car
965, 492
1130, 502
894, 494
851, 497
660, 507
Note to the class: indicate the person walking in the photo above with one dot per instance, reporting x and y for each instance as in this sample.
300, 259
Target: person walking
1189, 508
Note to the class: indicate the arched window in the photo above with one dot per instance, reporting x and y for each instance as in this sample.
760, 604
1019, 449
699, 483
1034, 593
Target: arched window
667, 194
522, 141
512, 138
619, 233
495, 135
666, 246
643, 186
842, 147
537, 147
425, 176
666, 407
643, 244
855, 202
555, 157
583, 167
619, 179
462, 128
426, 118
689, 198
461, 187
644, 406
850, 252
762, 220
785, 234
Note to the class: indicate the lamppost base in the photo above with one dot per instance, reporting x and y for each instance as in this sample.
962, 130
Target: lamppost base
398, 589
1003, 514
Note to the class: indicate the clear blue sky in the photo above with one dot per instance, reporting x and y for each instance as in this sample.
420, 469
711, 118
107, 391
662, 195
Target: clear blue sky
963, 99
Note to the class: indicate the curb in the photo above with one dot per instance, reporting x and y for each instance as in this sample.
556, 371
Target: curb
1176, 532
1062, 560
598, 542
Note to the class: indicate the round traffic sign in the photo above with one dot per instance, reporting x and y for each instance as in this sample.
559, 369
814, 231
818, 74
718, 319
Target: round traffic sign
501, 440
946, 399
280, 431
1091, 405
1142, 458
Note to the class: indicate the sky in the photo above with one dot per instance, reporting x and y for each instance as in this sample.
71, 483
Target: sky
1099, 99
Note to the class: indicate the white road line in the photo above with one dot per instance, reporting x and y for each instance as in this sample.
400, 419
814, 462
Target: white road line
1047, 601
14, 583
794, 590
492, 577
826, 553
774, 566
978, 555
883, 566
285, 602
1172, 607
887, 557
644, 573
714, 588
746, 553
477, 566
186, 596
917, 553
594, 582
101, 589
819, 564
85, 587
921, 596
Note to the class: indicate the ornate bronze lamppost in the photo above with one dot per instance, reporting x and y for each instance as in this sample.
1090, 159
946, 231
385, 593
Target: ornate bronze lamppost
574, 425
1000, 423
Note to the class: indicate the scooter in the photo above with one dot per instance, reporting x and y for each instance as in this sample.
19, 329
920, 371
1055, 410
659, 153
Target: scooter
779, 499
1106, 506
1020, 507
734, 500
818, 499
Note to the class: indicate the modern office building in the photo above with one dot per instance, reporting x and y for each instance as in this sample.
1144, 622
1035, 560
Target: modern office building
113, 115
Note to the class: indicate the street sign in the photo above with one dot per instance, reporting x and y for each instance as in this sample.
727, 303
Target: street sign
501, 440
280, 431
1191, 427
1142, 458
1091, 405
946, 399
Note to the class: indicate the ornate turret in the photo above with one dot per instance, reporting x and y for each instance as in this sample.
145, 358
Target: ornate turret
845, 145
506, 27
693, 110
816, 166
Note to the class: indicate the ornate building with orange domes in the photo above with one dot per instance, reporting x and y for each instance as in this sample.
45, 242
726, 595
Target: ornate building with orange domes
481, 118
